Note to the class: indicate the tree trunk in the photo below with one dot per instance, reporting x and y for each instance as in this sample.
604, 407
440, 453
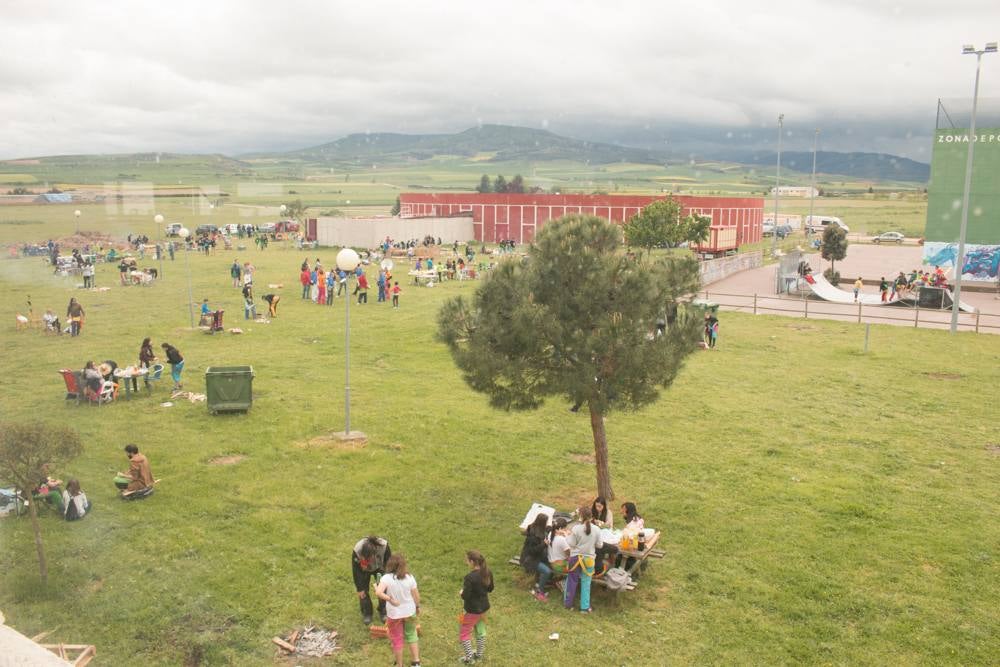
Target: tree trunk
601, 454
43, 568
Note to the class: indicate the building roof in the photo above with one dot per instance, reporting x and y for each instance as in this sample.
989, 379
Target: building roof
55, 198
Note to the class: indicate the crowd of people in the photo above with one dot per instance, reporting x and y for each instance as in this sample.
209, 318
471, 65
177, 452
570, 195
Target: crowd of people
318, 284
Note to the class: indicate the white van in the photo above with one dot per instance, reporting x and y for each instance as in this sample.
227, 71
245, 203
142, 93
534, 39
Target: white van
817, 223
230, 230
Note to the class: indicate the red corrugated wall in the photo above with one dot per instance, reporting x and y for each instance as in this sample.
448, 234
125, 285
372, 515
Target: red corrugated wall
519, 216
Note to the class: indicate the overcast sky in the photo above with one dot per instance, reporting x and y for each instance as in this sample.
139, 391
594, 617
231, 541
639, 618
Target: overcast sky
237, 76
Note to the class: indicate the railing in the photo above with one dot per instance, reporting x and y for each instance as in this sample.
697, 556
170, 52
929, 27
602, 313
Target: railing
761, 304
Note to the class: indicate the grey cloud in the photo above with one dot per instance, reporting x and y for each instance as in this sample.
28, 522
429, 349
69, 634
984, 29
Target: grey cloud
240, 76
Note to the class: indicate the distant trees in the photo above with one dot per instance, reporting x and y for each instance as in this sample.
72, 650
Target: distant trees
661, 224
500, 184
395, 207
27, 452
19, 191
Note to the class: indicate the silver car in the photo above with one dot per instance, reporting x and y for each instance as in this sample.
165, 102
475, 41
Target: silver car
889, 237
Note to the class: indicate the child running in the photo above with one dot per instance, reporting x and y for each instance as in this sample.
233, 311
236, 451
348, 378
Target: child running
399, 589
476, 587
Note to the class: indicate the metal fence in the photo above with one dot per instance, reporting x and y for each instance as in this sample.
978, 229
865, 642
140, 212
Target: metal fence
761, 304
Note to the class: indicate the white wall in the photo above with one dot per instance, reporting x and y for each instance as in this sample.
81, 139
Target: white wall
369, 232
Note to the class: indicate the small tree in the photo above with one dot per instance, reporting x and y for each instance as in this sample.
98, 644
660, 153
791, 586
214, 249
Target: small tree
396, 207
577, 321
500, 184
516, 184
834, 246
661, 223
295, 210
484, 185
27, 451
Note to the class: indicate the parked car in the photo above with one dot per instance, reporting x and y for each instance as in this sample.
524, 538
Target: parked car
230, 230
205, 230
173, 229
269, 227
783, 230
889, 237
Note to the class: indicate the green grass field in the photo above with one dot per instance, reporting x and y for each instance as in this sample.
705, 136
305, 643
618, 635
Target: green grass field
819, 505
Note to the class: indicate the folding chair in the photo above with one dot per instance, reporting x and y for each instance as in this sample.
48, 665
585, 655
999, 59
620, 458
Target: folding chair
72, 380
154, 375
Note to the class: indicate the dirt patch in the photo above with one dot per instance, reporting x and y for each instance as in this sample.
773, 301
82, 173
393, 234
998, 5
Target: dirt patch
944, 376
228, 460
928, 568
567, 500
332, 441
582, 458
96, 585
993, 448
803, 327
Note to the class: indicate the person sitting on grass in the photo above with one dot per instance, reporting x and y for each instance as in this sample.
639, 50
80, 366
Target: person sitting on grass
139, 476
49, 491
75, 503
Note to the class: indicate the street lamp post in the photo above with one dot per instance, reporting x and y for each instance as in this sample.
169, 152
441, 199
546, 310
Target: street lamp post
347, 261
184, 233
158, 220
991, 47
812, 192
76, 214
777, 185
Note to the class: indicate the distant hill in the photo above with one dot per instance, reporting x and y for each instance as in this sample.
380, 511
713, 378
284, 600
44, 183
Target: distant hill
867, 166
504, 142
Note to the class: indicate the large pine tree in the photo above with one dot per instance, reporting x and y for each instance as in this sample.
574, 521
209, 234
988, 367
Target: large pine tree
577, 321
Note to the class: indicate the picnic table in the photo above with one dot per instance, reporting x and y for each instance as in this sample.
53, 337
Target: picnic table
641, 556
426, 276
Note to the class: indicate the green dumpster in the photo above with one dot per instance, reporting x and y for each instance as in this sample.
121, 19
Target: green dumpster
229, 388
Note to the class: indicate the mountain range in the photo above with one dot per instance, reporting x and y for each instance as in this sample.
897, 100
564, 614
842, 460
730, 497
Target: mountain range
504, 143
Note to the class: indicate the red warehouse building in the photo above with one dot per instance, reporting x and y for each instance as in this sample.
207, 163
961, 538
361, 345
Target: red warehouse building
519, 216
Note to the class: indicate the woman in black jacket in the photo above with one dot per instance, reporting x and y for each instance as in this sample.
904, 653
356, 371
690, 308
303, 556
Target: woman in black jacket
176, 362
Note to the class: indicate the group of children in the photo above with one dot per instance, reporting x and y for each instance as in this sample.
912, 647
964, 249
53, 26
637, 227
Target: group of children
553, 548
903, 285
318, 283
399, 598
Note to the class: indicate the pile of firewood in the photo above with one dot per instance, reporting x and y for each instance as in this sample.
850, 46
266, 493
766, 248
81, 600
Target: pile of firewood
312, 641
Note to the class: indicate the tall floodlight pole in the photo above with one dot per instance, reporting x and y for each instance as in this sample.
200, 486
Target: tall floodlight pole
184, 234
812, 192
991, 47
348, 261
777, 185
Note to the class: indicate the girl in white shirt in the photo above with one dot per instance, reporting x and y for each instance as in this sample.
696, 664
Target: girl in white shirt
399, 589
